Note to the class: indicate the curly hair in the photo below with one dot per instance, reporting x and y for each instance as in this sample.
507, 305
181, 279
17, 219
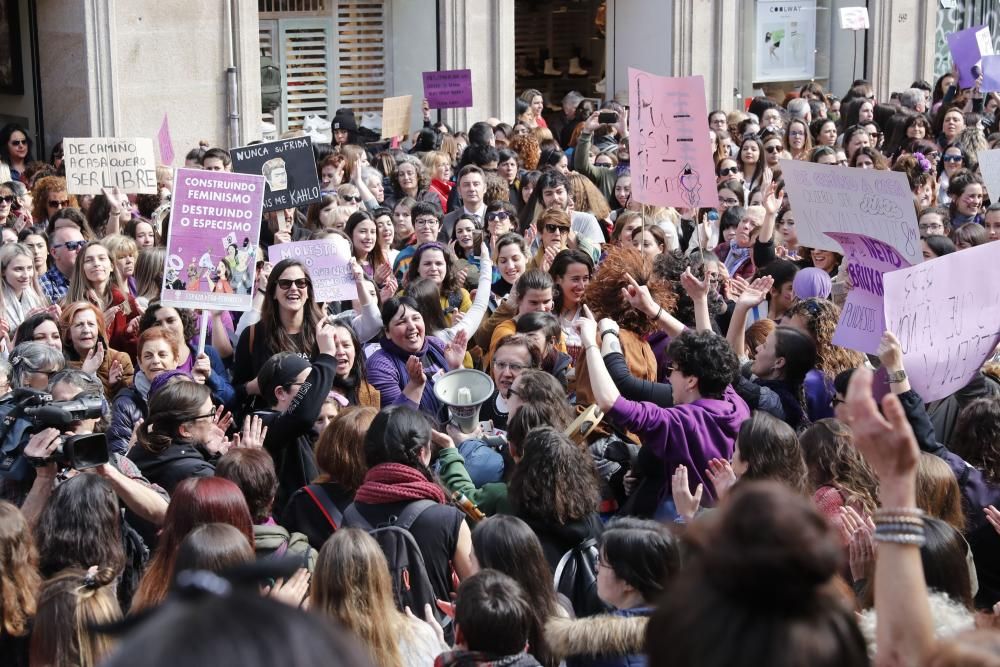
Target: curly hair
976, 437
449, 284
586, 196
40, 195
832, 460
526, 146
19, 578
423, 180
604, 293
497, 189
670, 265
820, 317
708, 357
771, 451
555, 481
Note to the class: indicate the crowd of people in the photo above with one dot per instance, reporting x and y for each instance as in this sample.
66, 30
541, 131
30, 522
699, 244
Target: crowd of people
676, 465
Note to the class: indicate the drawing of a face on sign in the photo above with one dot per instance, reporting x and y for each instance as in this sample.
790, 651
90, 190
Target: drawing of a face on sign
276, 175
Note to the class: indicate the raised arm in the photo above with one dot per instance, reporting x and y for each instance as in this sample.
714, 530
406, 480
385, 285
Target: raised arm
630, 386
474, 316
601, 384
750, 298
638, 297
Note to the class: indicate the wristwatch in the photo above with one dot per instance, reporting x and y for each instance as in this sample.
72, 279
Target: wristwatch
896, 377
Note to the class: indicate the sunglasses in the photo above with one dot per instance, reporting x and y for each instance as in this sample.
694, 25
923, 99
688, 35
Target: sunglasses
59, 203
352, 198
7, 199
952, 158
729, 170
19, 142
772, 149
497, 215
286, 283
556, 229
72, 246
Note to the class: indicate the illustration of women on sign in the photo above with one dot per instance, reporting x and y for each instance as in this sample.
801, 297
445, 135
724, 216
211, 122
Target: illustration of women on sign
773, 40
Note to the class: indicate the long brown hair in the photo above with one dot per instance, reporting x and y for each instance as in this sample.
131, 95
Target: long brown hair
832, 460
275, 337
70, 604
340, 449
19, 578
351, 586
80, 288
937, 491
821, 317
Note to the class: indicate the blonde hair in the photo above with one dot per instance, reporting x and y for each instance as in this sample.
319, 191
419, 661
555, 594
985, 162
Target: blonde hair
351, 585
19, 577
119, 246
432, 159
70, 604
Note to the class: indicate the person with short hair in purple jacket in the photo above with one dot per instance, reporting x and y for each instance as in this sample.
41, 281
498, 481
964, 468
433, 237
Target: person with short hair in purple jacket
707, 413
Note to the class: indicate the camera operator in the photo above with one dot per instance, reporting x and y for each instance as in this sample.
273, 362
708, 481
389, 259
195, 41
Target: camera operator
146, 500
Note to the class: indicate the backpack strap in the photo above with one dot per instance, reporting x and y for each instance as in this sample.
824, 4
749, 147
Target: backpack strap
412, 512
253, 330
325, 504
564, 561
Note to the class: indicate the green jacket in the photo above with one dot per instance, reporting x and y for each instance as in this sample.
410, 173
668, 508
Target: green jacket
603, 177
491, 498
273, 540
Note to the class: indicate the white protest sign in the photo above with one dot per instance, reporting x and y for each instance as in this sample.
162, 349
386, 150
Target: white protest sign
829, 198
989, 167
946, 316
95, 163
854, 18
328, 263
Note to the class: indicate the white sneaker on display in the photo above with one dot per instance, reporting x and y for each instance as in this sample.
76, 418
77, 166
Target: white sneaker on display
575, 69
550, 69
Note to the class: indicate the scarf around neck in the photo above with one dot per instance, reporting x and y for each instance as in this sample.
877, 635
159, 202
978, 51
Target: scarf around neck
736, 258
396, 482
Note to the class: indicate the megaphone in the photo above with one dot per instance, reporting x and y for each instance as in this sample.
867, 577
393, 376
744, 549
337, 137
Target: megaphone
464, 390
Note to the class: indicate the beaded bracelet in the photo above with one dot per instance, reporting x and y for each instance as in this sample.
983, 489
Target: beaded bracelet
898, 518
900, 538
899, 511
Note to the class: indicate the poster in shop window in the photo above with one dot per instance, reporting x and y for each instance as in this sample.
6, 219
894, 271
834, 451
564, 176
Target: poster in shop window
785, 40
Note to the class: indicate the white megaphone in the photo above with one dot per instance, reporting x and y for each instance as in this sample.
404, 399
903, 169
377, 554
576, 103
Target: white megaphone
464, 390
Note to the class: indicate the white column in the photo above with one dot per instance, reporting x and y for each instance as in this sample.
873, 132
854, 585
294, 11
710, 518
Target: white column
901, 44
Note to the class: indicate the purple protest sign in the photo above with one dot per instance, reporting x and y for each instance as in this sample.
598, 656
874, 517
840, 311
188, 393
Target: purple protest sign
212, 243
991, 74
166, 143
328, 264
862, 319
946, 317
967, 50
449, 89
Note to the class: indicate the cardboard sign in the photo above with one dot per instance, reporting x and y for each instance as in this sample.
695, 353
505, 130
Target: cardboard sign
862, 319
946, 317
166, 143
92, 164
670, 151
991, 74
829, 198
854, 18
989, 166
396, 116
328, 264
212, 243
450, 89
288, 167
967, 50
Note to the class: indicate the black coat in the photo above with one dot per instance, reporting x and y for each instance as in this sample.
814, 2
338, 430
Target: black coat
173, 465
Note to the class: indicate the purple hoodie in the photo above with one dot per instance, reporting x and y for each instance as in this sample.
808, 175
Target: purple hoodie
691, 434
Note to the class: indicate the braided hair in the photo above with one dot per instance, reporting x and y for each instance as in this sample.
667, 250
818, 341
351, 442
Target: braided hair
399, 434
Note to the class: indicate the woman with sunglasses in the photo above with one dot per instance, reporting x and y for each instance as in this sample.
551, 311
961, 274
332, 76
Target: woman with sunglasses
728, 169
774, 148
49, 196
15, 149
499, 220
86, 346
798, 139
95, 280
289, 321
953, 159
555, 235
9, 209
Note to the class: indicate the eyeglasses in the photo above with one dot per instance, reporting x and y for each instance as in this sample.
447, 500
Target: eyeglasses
286, 283
210, 414
19, 142
59, 203
352, 198
7, 199
425, 222
497, 215
72, 246
931, 226
556, 229
729, 202
772, 149
952, 158
725, 171
797, 135
506, 366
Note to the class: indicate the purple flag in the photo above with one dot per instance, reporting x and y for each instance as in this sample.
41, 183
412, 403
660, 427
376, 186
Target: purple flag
166, 144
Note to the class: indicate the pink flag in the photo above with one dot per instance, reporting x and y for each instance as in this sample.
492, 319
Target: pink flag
166, 145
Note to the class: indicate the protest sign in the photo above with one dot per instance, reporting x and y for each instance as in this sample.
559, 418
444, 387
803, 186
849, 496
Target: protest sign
396, 116
862, 319
854, 18
989, 166
288, 167
95, 163
166, 143
328, 263
991, 74
967, 50
947, 318
450, 89
212, 243
829, 198
670, 152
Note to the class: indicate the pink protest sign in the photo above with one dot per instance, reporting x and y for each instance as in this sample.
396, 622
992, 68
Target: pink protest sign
328, 264
670, 151
862, 319
946, 315
166, 143
212, 243
449, 89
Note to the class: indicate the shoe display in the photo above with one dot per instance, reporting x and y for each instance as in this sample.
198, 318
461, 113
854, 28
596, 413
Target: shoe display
602, 85
550, 69
522, 69
575, 69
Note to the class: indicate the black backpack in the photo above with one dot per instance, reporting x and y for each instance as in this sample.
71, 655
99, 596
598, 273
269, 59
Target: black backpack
411, 585
576, 578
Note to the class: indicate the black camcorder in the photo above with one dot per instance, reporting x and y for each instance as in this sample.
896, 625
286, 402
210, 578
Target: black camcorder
36, 411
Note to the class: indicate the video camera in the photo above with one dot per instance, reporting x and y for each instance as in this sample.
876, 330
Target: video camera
30, 411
